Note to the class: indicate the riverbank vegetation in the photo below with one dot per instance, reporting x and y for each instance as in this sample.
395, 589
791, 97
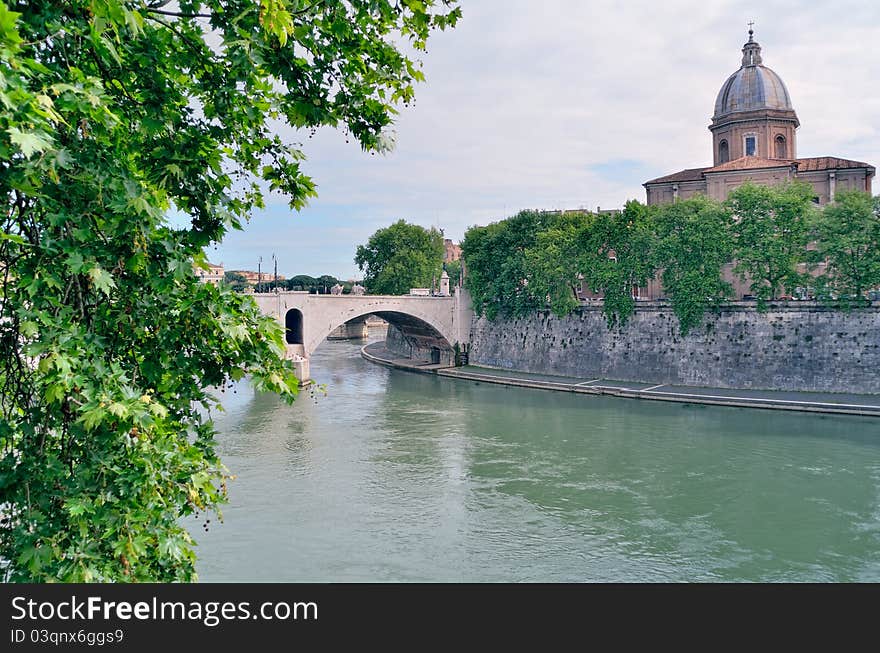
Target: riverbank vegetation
112, 114
775, 240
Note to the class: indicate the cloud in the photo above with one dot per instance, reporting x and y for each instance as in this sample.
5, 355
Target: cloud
571, 104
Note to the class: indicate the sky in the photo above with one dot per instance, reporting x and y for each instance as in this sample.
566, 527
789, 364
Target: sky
568, 104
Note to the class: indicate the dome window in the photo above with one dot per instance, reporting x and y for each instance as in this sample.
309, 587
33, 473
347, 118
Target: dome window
780, 147
723, 152
751, 145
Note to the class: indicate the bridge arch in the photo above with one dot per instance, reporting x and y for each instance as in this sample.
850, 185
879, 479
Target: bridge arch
424, 339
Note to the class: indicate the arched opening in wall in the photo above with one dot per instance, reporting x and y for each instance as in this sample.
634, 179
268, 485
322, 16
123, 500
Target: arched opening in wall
293, 327
781, 152
723, 152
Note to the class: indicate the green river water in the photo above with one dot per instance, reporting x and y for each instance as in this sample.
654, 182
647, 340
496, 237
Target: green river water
395, 476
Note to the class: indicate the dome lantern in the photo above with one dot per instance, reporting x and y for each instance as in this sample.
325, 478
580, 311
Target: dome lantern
751, 51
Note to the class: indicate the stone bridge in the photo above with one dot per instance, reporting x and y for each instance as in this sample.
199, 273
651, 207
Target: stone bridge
431, 326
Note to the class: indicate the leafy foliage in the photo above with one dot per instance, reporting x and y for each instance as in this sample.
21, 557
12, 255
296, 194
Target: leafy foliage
693, 244
401, 257
497, 267
537, 260
771, 234
617, 258
301, 282
236, 281
847, 234
453, 269
552, 262
610, 253
112, 113
315, 285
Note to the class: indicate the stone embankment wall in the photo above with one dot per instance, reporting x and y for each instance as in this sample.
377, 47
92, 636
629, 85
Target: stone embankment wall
793, 346
395, 342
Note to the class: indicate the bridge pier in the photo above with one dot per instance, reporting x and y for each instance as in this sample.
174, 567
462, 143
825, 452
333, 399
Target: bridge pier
296, 353
353, 330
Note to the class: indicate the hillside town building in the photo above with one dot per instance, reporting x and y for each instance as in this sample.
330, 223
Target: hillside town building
256, 277
214, 273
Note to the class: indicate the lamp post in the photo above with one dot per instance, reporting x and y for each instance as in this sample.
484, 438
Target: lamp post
259, 274
275, 287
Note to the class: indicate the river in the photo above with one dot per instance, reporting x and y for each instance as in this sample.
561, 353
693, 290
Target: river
394, 476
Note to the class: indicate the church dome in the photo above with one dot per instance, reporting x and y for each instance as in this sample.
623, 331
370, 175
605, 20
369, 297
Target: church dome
753, 87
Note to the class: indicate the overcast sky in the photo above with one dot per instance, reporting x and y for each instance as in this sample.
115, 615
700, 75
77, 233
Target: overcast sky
570, 104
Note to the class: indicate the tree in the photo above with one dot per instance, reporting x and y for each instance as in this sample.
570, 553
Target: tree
771, 234
848, 238
111, 113
453, 269
325, 282
400, 257
693, 244
616, 255
498, 271
319, 286
609, 252
236, 280
552, 261
301, 282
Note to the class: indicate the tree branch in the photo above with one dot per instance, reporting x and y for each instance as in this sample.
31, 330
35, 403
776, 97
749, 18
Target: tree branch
176, 14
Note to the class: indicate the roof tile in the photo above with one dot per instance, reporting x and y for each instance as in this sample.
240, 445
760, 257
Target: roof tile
811, 164
829, 163
691, 174
751, 163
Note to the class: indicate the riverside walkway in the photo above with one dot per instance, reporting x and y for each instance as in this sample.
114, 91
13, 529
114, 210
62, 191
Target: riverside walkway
813, 402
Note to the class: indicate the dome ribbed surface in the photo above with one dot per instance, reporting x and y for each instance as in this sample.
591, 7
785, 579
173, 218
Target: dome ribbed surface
752, 88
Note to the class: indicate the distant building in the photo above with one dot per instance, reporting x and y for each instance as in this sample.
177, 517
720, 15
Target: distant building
452, 251
214, 273
254, 277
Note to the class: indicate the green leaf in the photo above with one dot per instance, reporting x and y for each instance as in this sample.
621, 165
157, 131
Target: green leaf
8, 18
102, 280
13, 238
29, 142
118, 409
91, 418
75, 262
76, 507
